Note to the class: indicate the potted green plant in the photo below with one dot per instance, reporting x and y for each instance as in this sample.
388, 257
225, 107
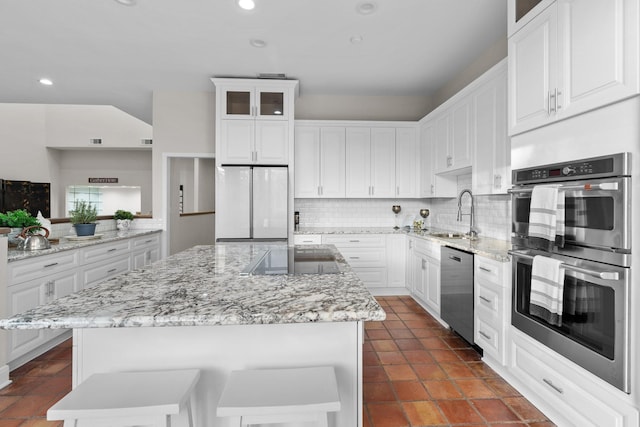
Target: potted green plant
83, 217
17, 220
123, 219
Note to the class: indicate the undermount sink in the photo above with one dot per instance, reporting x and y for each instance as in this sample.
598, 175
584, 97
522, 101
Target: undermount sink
448, 235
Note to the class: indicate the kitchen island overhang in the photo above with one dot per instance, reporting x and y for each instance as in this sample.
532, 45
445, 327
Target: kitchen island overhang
193, 309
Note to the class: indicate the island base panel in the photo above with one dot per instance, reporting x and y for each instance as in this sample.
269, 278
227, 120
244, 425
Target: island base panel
217, 350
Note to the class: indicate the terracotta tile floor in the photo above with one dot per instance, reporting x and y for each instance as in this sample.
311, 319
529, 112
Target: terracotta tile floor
418, 373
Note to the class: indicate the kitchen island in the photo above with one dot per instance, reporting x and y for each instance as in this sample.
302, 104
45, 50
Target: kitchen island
195, 310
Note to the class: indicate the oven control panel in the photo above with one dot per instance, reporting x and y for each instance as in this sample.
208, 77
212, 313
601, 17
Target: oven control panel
597, 167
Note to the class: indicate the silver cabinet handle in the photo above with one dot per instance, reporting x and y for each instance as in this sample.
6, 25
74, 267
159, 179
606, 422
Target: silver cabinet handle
354, 241
552, 385
484, 335
354, 257
112, 270
485, 269
373, 190
555, 101
50, 265
485, 299
558, 106
112, 250
433, 191
424, 264
455, 258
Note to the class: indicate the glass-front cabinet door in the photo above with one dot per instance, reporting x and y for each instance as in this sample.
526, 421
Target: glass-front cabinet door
250, 102
522, 11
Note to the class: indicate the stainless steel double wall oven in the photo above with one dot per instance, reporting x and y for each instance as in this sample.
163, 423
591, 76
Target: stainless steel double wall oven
596, 258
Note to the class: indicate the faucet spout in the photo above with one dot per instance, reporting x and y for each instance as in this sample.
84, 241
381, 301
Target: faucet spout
473, 232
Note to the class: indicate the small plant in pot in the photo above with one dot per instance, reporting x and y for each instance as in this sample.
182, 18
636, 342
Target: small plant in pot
123, 219
83, 218
17, 220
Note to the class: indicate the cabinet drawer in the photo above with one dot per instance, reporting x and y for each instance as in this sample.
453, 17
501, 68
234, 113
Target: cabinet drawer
98, 273
365, 257
580, 404
355, 240
105, 251
489, 299
372, 277
307, 239
427, 248
489, 270
32, 268
145, 242
489, 338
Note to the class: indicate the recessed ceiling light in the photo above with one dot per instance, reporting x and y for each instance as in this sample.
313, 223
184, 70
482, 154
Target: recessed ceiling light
246, 4
46, 82
356, 39
127, 2
257, 43
366, 7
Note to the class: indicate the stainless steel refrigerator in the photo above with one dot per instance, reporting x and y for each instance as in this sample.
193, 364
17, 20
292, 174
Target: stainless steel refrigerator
251, 203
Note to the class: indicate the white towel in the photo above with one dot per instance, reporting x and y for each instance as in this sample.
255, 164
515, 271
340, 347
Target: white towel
546, 217
547, 287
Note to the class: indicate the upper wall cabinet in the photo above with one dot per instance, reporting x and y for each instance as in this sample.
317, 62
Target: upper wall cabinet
254, 121
572, 57
407, 163
453, 137
432, 185
491, 172
319, 162
370, 162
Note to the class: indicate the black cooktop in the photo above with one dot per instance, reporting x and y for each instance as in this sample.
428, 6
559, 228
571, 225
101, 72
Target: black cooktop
293, 260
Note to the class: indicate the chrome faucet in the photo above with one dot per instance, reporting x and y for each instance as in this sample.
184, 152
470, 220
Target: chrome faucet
473, 231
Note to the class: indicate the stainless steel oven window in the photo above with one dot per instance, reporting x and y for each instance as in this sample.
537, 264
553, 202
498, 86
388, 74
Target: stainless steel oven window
596, 335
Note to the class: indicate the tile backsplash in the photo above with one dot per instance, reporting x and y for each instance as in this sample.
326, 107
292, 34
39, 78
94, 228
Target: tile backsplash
492, 213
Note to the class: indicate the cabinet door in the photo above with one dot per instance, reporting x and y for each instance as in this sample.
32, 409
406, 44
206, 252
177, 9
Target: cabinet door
383, 162
442, 133
307, 161
271, 104
21, 298
407, 157
418, 265
492, 155
427, 172
237, 141
396, 260
598, 52
237, 102
358, 162
460, 150
332, 162
432, 285
520, 12
532, 62
271, 142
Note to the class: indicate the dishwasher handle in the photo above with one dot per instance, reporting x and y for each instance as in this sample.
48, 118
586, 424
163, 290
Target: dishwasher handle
455, 258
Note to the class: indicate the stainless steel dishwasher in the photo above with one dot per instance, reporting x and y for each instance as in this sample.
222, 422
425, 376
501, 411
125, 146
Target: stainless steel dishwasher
456, 291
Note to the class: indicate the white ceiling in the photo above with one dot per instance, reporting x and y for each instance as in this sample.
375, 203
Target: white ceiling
100, 52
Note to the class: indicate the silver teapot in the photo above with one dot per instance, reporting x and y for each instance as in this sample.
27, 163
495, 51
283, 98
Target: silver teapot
33, 242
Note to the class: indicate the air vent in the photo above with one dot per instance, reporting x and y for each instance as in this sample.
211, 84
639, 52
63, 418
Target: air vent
95, 141
273, 76
146, 141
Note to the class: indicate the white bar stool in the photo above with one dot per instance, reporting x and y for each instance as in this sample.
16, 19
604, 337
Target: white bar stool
267, 396
127, 398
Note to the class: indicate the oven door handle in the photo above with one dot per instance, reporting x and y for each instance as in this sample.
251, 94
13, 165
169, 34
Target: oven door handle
604, 186
604, 275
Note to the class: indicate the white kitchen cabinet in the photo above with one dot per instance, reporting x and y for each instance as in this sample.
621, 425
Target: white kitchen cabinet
254, 121
491, 172
570, 58
568, 394
453, 137
407, 168
105, 251
365, 253
145, 250
492, 303
370, 162
396, 261
432, 185
319, 162
424, 267
307, 239
100, 271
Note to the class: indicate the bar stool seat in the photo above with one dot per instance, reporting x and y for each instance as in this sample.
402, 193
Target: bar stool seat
128, 398
267, 396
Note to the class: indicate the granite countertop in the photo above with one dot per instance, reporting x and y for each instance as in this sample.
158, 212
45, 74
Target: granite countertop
485, 246
203, 286
65, 244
